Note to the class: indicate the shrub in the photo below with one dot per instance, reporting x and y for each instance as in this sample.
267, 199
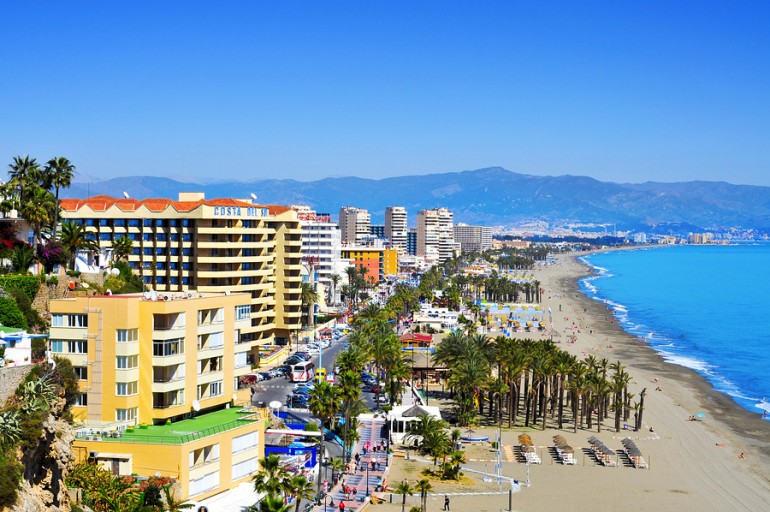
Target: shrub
27, 284
50, 254
10, 477
31, 315
11, 315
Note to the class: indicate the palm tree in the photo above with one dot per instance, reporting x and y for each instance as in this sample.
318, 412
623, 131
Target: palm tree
403, 489
270, 478
59, 172
274, 504
309, 297
39, 210
24, 173
172, 504
324, 404
22, 258
74, 238
424, 486
121, 248
335, 279
300, 488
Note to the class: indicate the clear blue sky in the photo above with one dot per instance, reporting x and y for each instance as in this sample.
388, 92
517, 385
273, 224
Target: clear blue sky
620, 91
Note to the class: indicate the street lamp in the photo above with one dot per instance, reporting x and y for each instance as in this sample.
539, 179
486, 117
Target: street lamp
367, 480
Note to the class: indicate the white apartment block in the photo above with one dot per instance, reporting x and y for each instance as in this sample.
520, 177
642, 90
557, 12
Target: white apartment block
473, 238
435, 234
321, 246
395, 227
354, 224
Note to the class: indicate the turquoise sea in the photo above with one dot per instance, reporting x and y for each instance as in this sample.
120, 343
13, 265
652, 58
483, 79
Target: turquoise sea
705, 307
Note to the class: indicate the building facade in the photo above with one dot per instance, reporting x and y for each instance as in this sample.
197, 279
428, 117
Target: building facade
378, 261
354, 224
435, 234
473, 238
208, 246
395, 227
158, 376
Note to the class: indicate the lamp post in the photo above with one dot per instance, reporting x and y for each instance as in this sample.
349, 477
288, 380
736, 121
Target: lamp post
367, 480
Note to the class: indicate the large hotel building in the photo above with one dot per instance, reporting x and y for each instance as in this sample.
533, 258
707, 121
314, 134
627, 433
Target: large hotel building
218, 245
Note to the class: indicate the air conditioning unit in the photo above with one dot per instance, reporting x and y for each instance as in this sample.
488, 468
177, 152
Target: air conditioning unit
93, 455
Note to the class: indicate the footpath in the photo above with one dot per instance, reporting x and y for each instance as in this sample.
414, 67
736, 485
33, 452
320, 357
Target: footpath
364, 475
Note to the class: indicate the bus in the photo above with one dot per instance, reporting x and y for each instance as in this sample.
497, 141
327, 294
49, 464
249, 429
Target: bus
302, 372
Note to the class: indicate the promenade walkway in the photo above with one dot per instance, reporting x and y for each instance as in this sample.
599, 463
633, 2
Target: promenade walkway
371, 432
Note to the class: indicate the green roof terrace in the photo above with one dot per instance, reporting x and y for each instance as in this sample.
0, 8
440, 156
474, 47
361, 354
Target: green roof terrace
180, 432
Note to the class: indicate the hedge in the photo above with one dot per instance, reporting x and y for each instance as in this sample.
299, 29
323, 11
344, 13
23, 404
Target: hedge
28, 284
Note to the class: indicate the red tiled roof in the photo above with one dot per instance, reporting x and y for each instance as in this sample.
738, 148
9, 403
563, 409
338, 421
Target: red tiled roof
415, 336
102, 203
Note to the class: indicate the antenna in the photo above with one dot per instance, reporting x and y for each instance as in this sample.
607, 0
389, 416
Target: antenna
125, 194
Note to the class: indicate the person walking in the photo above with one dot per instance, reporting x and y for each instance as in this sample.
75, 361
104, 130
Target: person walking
446, 502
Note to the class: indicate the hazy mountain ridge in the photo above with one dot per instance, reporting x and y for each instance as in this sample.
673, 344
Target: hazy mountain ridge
491, 196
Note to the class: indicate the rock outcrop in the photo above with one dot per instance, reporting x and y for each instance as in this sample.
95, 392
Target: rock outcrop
46, 465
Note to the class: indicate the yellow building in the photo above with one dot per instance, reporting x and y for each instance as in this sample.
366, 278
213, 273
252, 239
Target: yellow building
158, 375
212, 245
378, 261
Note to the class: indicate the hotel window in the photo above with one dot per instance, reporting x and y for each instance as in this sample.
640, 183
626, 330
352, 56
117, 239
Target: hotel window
90, 222
147, 223
133, 237
215, 388
159, 223
185, 265
119, 223
174, 251
160, 265
104, 222
244, 468
147, 237
126, 335
173, 223
136, 251
186, 222
173, 265
216, 340
161, 280
160, 251
242, 312
126, 414
126, 388
148, 251
186, 251
147, 279
81, 400
133, 223
69, 346
126, 362
161, 237
61, 320
81, 372
174, 280
174, 237
105, 237
186, 237
167, 348
185, 280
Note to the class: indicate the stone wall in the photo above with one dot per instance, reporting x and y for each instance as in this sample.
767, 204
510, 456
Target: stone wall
10, 378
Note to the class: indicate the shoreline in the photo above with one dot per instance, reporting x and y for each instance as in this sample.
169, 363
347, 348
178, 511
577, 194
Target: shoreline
693, 465
722, 407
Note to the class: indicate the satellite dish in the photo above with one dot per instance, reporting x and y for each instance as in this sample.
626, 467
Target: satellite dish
275, 404
235, 397
115, 271
196, 405
125, 194
84, 285
253, 196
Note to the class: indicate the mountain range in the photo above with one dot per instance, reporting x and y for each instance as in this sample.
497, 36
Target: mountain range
492, 196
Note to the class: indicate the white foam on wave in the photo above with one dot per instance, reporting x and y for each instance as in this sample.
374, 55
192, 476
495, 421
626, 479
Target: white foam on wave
687, 362
763, 404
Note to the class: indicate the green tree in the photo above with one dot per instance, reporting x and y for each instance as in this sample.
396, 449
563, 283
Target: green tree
299, 487
309, 298
74, 238
22, 258
403, 489
24, 173
38, 209
270, 477
424, 487
324, 404
11, 315
58, 174
122, 248
172, 503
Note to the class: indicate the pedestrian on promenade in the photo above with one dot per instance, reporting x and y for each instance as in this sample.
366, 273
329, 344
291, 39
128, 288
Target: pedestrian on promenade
446, 502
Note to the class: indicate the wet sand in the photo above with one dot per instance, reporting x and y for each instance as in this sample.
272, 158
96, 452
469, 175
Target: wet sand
694, 465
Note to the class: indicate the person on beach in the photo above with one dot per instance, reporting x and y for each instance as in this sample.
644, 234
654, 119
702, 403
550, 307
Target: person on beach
446, 502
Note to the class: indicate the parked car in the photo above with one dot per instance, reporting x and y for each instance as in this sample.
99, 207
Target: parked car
265, 375
294, 360
304, 355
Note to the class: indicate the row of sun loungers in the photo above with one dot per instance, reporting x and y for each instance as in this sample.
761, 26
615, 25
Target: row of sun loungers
602, 453
528, 449
564, 451
634, 454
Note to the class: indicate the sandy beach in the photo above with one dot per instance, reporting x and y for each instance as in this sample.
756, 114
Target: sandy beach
693, 465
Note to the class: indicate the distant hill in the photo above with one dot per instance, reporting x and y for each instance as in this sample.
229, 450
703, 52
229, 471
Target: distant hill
491, 196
